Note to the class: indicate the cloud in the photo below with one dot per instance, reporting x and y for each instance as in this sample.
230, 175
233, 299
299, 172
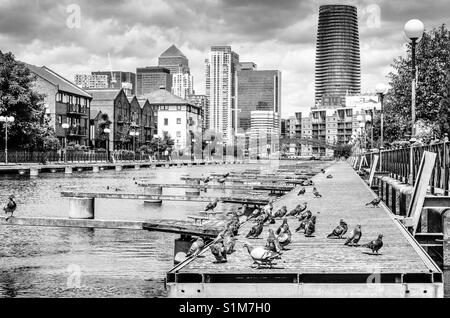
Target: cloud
274, 34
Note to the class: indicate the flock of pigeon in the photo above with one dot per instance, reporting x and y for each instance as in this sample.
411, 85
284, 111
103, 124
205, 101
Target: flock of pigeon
279, 240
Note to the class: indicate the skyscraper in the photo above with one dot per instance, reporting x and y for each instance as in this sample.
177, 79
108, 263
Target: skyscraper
177, 63
150, 79
221, 67
338, 69
257, 90
174, 60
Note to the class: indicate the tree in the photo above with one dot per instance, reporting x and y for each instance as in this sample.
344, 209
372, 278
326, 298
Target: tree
433, 87
31, 129
343, 150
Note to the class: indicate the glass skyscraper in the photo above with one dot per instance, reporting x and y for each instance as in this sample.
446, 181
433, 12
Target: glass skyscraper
338, 68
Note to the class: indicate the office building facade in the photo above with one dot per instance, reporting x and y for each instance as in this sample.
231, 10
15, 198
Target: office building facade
150, 79
258, 90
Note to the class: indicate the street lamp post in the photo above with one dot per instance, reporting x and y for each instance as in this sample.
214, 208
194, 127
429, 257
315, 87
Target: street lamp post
413, 30
6, 120
66, 127
381, 91
107, 131
134, 134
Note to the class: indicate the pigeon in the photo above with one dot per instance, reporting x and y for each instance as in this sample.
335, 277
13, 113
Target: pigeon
212, 205
322, 170
272, 243
329, 176
283, 227
271, 219
375, 202
302, 191
221, 181
305, 215
284, 237
316, 193
298, 209
10, 207
255, 231
354, 237
255, 214
268, 208
233, 227
262, 218
219, 252
260, 255
226, 175
206, 180
375, 245
339, 230
281, 212
196, 247
310, 227
305, 183
229, 242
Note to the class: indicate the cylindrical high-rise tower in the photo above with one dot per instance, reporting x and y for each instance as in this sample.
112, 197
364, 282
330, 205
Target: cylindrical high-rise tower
338, 68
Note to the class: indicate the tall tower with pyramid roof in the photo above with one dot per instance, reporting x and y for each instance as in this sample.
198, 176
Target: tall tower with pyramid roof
174, 60
178, 64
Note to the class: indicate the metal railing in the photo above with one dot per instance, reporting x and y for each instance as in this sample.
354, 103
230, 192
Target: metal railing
397, 163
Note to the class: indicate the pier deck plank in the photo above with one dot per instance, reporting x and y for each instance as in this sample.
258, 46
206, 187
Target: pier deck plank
344, 196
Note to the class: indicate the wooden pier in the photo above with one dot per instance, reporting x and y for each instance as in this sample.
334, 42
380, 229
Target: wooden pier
209, 229
134, 196
259, 187
317, 266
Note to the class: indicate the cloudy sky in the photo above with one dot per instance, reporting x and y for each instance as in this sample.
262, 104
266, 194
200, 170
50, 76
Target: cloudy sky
274, 34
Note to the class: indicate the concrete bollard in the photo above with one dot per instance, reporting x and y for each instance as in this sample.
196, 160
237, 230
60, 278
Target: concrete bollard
95, 169
80, 169
34, 172
102, 168
137, 167
81, 208
53, 170
119, 168
68, 170
22, 172
153, 190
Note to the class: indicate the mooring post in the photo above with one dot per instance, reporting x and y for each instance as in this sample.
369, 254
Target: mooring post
68, 170
182, 246
137, 167
81, 208
34, 171
95, 169
119, 168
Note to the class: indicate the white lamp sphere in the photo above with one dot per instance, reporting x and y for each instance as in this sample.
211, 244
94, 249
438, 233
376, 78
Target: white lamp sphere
381, 88
414, 29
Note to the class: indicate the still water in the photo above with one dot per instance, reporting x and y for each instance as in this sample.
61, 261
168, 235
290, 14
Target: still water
52, 262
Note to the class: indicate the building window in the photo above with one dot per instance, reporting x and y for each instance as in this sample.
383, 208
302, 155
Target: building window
60, 120
166, 121
178, 121
178, 134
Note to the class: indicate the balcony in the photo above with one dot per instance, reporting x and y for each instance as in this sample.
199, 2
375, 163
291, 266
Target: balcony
76, 110
77, 131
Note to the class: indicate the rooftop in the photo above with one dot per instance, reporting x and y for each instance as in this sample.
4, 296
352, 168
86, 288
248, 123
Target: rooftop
62, 83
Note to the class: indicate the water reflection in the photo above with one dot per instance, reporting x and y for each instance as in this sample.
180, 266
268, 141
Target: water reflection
34, 262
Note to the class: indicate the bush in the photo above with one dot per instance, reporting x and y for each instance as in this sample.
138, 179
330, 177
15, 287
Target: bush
343, 150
